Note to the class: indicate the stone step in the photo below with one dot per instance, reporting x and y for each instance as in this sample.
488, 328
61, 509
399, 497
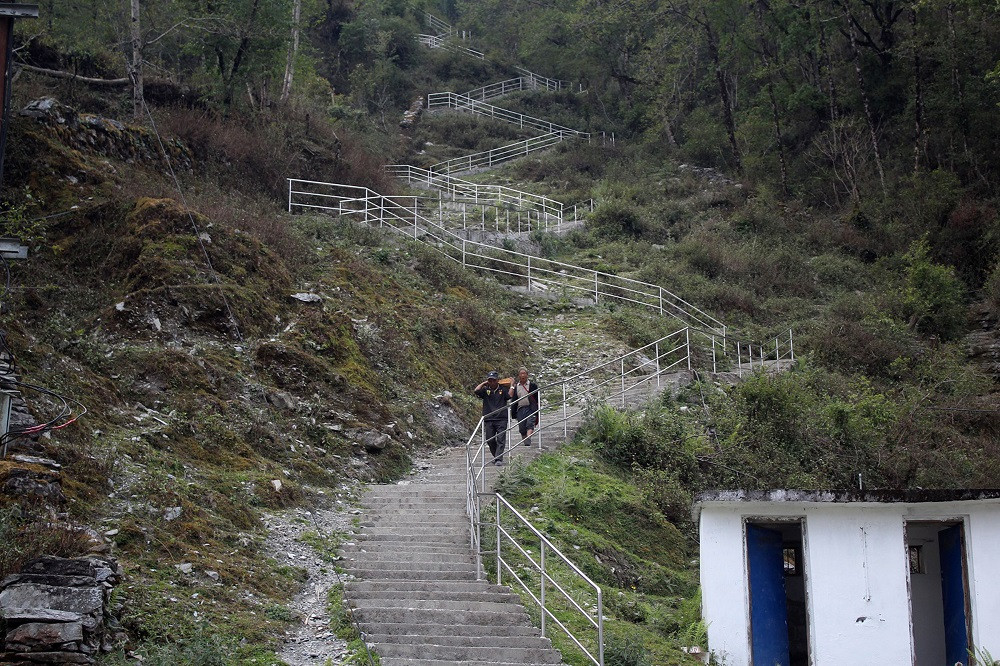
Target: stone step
440, 617
406, 661
394, 536
406, 547
473, 631
471, 585
465, 654
400, 558
452, 640
422, 567
407, 530
411, 574
426, 595
439, 605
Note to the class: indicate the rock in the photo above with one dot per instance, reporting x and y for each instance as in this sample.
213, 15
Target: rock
184, 567
16, 615
276, 483
38, 634
54, 658
282, 400
305, 297
76, 600
374, 441
214, 575
172, 513
35, 460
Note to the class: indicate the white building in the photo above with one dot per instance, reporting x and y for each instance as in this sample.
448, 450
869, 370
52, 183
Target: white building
850, 578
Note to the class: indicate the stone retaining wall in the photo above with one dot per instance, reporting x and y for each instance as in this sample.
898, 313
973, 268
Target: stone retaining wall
56, 611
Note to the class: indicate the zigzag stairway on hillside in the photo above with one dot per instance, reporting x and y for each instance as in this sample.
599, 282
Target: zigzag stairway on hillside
418, 591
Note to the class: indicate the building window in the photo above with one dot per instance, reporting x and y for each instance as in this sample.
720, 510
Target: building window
917, 560
790, 558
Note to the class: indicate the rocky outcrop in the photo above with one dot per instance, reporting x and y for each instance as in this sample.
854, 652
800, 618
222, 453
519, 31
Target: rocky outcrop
56, 611
92, 133
412, 115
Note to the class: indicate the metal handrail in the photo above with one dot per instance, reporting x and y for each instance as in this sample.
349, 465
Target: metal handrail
502, 195
476, 460
490, 158
528, 82
465, 103
541, 565
537, 270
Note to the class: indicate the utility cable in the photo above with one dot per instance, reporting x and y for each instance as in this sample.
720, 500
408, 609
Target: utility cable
194, 225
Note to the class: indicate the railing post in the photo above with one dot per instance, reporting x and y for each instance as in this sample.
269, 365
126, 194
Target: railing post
289, 196
661, 301
542, 577
595, 289
529, 273
739, 360
600, 626
687, 337
538, 427
656, 349
777, 357
762, 355
496, 501
623, 381
565, 424
791, 348
463, 253
714, 370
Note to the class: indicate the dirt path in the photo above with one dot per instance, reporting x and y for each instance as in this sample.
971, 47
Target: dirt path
291, 532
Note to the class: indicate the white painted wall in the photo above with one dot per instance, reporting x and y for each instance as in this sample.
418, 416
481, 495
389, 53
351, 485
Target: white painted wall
856, 571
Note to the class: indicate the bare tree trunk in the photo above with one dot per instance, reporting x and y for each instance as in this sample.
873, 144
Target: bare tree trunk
778, 139
866, 104
918, 102
135, 64
727, 107
293, 52
775, 115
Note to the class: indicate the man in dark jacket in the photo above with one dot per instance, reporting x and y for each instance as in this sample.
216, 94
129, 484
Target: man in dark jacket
494, 397
524, 394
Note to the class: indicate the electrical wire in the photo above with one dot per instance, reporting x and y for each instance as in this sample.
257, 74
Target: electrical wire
194, 225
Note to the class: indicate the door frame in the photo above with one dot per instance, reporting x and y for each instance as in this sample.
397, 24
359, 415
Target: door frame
943, 520
777, 519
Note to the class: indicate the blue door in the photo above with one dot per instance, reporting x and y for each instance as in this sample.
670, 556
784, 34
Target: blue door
768, 604
956, 636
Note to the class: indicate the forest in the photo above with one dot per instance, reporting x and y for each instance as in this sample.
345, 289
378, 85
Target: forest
828, 167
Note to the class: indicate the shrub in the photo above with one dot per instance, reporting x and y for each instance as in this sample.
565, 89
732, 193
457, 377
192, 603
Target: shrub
625, 650
934, 295
614, 219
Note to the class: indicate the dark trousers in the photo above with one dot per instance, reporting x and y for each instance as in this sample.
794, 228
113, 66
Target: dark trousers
495, 433
525, 420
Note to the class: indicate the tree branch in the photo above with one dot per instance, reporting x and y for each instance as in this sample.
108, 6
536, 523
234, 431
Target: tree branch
56, 74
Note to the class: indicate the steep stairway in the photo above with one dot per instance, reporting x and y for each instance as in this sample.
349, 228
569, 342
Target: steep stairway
414, 588
415, 592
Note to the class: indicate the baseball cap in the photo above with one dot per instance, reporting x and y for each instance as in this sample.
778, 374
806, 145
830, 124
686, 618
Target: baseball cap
493, 374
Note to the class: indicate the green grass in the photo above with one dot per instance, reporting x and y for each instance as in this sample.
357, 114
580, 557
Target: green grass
600, 520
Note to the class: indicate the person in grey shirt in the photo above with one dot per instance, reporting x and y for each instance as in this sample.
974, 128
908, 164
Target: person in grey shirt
524, 394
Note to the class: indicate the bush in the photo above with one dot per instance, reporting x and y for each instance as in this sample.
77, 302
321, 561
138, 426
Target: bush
614, 219
625, 650
934, 296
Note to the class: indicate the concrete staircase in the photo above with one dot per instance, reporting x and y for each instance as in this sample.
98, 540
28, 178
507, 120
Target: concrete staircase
415, 593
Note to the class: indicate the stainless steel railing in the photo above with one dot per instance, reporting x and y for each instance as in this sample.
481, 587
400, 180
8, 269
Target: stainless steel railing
537, 273
464, 103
